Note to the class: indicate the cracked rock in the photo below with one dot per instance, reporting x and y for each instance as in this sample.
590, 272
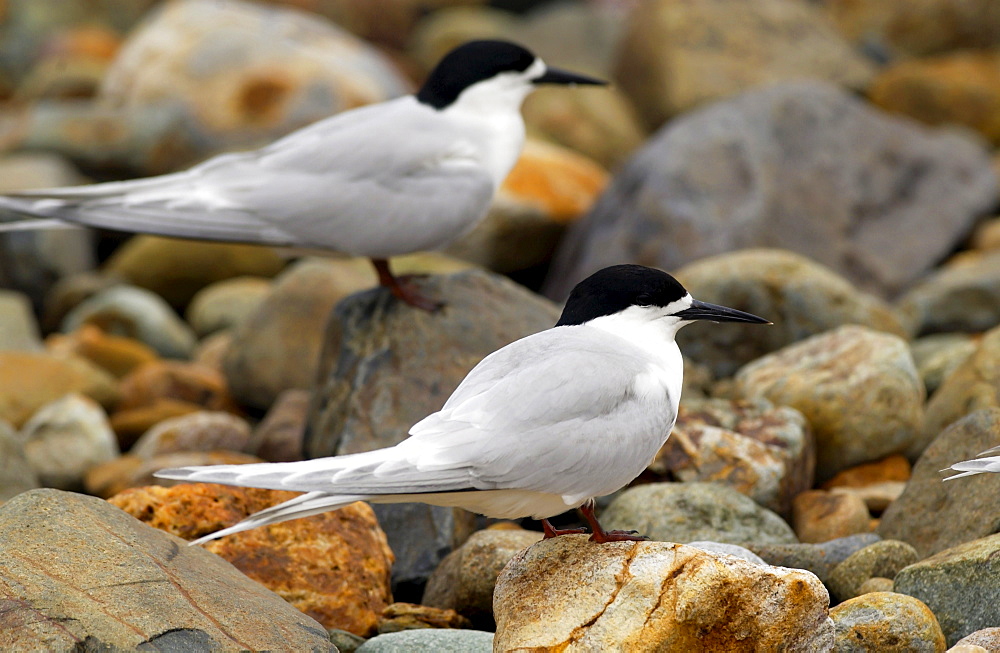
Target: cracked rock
569, 594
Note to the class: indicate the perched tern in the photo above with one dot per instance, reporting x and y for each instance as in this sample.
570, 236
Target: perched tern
537, 428
406, 175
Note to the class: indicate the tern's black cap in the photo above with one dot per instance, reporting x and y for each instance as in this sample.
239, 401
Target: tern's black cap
616, 288
470, 63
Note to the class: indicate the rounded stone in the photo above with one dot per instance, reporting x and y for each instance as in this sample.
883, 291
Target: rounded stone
886, 621
879, 560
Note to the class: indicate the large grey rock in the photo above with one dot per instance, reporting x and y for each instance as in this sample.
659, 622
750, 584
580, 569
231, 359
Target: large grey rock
386, 366
933, 515
802, 166
688, 512
16, 475
886, 621
858, 388
766, 452
963, 295
801, 297
439, 640
90, 577
66, 438
135, 313
820, 558
464, 581
961, 585
568, 594
974, 384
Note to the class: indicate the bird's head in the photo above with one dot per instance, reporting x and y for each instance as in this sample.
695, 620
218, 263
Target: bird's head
492, 71
635, 294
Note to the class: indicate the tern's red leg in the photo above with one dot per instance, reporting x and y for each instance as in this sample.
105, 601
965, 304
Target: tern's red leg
402, 289
552, 531
600, 535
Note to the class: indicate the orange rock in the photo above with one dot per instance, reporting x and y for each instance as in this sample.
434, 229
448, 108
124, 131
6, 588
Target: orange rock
191, 382
335, 566
891, 468
29, 380
407, 616
116, 354
820, 516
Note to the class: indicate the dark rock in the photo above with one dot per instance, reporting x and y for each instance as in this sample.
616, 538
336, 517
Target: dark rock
820, 559
90, 577
278, 437
933, 515
386, 366
874, 197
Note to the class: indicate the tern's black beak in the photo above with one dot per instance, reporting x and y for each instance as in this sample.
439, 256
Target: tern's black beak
716, 313
556, 76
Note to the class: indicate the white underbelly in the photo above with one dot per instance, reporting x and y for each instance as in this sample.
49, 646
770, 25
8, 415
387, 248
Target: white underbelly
499, 504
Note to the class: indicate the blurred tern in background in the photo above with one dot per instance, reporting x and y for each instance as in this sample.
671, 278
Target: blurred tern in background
406, 175
537, 428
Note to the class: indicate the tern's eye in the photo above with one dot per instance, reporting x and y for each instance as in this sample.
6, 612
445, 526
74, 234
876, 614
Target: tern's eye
643, 300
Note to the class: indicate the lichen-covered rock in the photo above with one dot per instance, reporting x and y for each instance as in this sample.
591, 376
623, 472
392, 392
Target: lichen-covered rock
333, 566
802, 297
879, 560
886, 621
961, 585
569, 594
858, 388
89, 576
688, 512
932, 515
973, 385
464, 581
987, 638
764, 451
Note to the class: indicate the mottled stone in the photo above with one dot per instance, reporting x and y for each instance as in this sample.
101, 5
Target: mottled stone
678, 55
963, 295
687, 512
858, 388
569, 594
29, 380
410, 616
820, 516
765, 452
886, 621
135, 313
200, 431
225, 304
465, 579
437, 640
177, 270
116, 354
973, 385
932, 515
65, 439
333, 566
801, 297
874, 197
961, 585
385, 366
960, 88
89, 576
987, 638
820, 559
879, 560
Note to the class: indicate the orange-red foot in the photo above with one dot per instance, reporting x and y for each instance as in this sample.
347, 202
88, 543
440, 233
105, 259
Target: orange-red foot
552, 531
404, 289
600, 535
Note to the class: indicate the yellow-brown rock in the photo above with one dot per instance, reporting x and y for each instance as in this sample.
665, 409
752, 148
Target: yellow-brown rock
961, 88
177, 269
891, 468
333, 566
409, 616
29, 380
820, 516
116, 354
179, 380
570, 595
131, 423
887, 621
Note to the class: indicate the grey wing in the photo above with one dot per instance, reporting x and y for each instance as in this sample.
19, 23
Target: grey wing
350, 182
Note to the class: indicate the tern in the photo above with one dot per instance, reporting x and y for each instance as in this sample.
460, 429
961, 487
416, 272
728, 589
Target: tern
410, 174
978, 465
539, 427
